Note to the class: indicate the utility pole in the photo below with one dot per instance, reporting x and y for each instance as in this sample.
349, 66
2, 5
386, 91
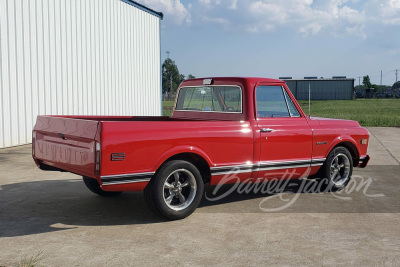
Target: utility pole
170, 78
359, 81
170, 75
381, 77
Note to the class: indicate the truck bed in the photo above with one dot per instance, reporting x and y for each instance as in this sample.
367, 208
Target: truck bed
69, 143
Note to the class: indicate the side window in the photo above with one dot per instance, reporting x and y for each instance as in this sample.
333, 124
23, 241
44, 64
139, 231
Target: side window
271, 102
292, 108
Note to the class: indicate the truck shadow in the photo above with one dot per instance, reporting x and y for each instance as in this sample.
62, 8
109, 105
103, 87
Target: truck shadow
54, 205
216, 195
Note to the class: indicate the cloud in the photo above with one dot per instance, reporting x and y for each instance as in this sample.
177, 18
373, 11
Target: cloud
231, 4
389, 11
339, 18
221, 21
307, 17
174, 11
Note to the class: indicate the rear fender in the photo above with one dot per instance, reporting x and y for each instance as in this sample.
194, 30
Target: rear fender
182, 149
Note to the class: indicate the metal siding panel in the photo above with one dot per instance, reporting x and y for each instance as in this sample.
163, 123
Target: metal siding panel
138, 74
34, 61
90, 82
75, 57
79, 54
46, 59
27, 72
105, 56
324, 90
64, 57
13, 74
292, 86
57, 57
130, 108
123, 97
2, 88
53, 89
68, 58
21, 98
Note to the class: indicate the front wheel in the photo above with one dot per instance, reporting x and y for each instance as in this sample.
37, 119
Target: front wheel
175, 191
337, 170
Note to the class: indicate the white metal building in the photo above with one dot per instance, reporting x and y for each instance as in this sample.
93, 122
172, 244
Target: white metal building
76, 57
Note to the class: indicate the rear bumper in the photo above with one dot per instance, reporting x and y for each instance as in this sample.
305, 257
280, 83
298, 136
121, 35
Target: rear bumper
362, 163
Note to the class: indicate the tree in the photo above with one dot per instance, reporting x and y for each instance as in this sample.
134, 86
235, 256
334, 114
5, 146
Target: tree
376, 87
367, 82
359, 87
171, 78
396, 85
190, 76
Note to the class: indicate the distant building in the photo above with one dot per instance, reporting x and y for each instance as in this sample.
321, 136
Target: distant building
336, 88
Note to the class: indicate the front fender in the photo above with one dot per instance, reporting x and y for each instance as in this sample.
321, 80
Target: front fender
343, 139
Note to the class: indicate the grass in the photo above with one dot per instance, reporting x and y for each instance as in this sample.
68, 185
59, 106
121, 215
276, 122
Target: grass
368, 112
168, 107
33, 261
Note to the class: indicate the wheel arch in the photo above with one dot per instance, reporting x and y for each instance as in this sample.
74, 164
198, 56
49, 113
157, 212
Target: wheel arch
195, 157
351, 147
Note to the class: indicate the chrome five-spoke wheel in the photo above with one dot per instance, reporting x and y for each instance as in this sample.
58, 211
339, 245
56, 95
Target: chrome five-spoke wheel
179, 189
340, 169
336, 172
175, 191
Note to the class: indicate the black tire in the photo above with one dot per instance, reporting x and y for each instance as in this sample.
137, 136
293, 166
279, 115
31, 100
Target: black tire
94, 186
337, 169
175, 191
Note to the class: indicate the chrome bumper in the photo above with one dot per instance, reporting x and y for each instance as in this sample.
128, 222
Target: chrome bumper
362, 163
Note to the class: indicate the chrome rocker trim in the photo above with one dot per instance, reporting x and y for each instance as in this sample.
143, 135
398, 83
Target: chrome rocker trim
269, 165
127, 178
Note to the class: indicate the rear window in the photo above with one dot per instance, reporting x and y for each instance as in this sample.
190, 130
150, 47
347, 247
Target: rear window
226, 99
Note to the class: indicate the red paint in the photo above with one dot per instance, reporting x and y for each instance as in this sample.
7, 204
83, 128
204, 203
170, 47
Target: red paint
221, 139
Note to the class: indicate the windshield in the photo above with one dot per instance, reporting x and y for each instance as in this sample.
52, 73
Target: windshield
210, 99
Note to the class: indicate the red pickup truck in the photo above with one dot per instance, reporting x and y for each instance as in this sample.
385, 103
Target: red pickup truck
250, 127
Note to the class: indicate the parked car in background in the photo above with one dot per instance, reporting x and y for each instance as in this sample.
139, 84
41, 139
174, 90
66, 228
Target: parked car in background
359, 94
369, 93
389, 93
380, 95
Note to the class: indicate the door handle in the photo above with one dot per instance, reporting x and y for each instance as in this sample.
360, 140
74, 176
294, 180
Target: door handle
266, 130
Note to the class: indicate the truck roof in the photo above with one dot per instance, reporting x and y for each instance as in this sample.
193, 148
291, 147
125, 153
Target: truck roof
241, 79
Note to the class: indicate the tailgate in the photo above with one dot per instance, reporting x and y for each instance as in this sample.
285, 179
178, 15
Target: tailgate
66, 143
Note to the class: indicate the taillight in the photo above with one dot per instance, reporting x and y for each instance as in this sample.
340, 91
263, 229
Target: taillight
97, 158
33, 142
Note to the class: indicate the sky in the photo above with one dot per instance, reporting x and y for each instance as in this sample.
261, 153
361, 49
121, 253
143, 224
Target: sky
271, 38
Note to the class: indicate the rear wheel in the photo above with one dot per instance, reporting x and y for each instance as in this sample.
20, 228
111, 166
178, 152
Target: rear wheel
337, 169
175, 191
94, 186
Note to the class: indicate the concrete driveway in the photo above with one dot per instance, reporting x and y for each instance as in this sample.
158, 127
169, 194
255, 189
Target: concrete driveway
54, 215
